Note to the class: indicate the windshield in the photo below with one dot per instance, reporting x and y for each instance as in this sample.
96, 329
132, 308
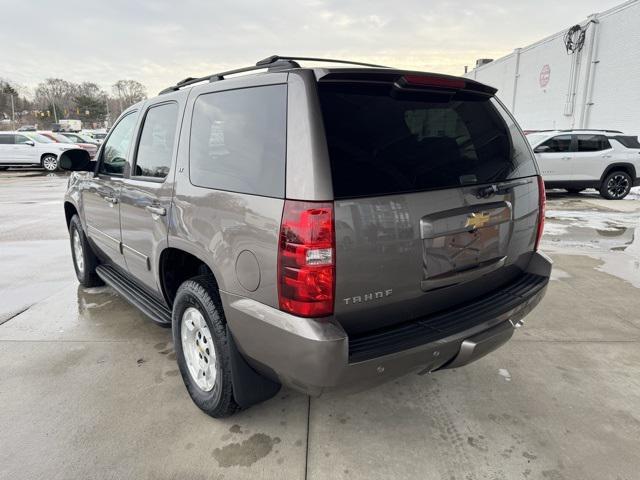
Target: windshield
536, 138
83, 138
61, 138
36, 137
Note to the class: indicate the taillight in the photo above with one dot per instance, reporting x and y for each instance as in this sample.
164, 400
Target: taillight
542, 202
306, 259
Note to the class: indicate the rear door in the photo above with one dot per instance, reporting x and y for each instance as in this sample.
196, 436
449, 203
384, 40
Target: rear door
555, 158
594, 153
436, 199
145, 196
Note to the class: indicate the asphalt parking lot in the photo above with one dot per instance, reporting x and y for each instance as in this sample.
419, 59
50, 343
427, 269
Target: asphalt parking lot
89, 388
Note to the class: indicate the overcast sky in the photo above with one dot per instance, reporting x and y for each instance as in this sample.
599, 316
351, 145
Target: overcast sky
160, 42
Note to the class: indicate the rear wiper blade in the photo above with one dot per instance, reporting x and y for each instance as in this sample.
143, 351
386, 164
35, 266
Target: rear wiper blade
499, 189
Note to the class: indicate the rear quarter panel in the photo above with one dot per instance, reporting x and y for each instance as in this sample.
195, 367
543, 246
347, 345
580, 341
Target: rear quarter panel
217, 226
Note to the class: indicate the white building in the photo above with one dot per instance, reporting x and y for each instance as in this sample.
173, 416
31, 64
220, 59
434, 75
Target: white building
596, 86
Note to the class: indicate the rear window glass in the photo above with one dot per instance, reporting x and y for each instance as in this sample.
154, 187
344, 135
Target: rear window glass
628, 141
382, 141
238, 140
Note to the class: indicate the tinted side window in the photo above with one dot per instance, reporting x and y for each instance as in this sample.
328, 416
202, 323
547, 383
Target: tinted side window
115, 150
6, 139
155, 149
592, 143
22, 139
561, 143
238, 140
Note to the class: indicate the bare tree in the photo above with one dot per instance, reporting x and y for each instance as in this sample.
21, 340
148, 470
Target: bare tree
56, 94
90, 102
128, 92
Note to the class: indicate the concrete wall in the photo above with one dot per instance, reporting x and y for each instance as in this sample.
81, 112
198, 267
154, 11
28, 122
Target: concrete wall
598, 87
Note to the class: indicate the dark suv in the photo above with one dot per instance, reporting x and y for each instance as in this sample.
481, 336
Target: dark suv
314, 227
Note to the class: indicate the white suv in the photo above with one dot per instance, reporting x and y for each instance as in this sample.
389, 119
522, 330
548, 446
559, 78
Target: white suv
22, 149
577, 159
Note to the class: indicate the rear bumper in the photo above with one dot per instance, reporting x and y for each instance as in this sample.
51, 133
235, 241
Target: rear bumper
313, 356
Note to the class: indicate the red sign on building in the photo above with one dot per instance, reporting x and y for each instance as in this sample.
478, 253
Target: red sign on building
545, 76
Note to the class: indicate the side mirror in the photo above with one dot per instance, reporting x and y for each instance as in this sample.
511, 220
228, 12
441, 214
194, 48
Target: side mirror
31, 143
542, 149
76, 160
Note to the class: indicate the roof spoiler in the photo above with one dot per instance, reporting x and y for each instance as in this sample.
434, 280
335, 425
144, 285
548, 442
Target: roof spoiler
412, 81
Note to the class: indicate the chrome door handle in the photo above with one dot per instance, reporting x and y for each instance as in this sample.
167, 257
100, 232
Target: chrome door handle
566, 158
156, 210
112, 200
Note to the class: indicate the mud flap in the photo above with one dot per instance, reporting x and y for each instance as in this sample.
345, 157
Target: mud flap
249, 387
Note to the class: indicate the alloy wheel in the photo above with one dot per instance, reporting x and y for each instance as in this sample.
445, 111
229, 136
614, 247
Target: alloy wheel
50, 163
618, 186
77, 252
198, 349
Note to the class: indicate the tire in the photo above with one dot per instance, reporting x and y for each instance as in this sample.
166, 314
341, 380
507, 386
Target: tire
84, 260
574, 191
616, 185
197, 304
49, 162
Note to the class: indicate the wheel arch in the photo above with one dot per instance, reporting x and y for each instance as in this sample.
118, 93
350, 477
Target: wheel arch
69, 211
623, 166
175, 266
46, 154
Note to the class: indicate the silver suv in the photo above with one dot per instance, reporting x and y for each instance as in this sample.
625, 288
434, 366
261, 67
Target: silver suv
314, 227
574, 160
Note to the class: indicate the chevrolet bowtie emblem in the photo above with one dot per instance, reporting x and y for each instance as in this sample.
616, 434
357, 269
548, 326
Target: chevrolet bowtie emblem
477, 220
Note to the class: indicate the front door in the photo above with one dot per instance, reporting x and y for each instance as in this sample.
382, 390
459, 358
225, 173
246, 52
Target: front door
6, 145
101, 195
24, 150
145, 198
554, 158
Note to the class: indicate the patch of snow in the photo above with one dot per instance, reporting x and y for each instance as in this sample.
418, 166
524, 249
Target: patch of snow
596, 219
554, 229
557, 274
504, 373
634, 194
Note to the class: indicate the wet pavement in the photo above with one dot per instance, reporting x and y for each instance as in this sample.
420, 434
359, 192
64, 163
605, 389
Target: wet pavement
34, 245
89, 388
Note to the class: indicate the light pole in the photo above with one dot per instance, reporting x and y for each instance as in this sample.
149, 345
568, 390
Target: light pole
55, 114
13, 112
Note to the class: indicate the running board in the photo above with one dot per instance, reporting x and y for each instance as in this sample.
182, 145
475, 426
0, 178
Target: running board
150, 306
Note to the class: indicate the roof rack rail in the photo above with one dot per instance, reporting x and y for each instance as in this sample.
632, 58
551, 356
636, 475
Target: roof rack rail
274, 62
275, 58
214, 77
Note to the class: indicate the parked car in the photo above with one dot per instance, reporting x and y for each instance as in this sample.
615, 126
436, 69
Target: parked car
401, 233
21, 149
64, 138
27, 128
81, 138
97, 136
606, 160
